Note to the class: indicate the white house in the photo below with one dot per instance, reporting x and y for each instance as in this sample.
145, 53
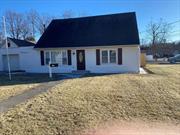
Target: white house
97, 44
20, 52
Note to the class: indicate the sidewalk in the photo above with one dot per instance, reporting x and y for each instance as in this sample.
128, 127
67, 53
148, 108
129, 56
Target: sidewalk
11, 102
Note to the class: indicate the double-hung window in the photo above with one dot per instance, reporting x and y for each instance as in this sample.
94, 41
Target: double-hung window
108, 56
47, 58
55, 57
64, 58
104, 56
112, 57
59, 57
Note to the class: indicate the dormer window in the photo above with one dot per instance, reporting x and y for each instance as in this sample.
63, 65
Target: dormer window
9, 44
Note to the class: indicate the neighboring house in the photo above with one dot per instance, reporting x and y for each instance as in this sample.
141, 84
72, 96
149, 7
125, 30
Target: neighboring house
98, 44
20, 55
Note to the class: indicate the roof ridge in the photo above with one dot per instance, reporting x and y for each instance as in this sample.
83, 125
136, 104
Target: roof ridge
20, 40
104, 15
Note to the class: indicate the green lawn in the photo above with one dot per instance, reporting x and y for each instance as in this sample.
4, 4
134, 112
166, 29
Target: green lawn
78, 104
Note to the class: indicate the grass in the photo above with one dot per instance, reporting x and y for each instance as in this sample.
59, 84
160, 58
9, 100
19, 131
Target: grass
20, 83
25, 78
79, 104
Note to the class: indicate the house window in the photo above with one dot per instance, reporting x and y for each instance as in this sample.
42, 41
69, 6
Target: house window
47, 58
64, 58
55, 57
112, 56
104, 56
108, 56
59, 57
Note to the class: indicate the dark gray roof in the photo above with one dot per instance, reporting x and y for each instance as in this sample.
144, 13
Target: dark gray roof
22, 43
104, 30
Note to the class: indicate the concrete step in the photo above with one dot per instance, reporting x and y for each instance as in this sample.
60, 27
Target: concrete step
80, 71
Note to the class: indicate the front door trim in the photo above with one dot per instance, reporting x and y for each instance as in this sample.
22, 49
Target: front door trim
80, 58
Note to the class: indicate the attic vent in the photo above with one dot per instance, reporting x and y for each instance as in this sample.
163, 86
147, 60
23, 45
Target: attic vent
9, 44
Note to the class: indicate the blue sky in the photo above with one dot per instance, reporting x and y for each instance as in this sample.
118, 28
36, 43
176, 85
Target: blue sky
146, 10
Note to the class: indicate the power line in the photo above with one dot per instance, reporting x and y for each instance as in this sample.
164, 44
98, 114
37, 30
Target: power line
174, 22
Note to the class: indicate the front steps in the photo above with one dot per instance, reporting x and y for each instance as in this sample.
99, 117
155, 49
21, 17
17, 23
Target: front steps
80, 72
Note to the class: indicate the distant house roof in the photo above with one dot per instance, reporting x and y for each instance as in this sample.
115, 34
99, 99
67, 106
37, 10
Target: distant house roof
22, 43
104, 30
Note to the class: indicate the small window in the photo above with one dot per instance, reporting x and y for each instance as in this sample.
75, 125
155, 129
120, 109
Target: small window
47, 58
112, 56
64, 58
104, 56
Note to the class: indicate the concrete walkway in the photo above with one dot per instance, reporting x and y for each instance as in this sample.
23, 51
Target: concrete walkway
142, 71
11, 102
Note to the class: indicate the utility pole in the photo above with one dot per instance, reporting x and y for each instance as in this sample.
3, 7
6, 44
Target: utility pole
7, 51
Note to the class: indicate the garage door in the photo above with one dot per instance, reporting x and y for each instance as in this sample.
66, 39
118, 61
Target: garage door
13, 60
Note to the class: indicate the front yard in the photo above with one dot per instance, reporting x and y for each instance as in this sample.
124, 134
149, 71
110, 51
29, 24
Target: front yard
79, 104
20, 83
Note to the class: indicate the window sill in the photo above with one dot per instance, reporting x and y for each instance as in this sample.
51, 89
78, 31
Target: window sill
108, 64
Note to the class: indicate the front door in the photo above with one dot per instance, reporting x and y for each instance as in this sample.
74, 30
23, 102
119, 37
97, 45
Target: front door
80, 56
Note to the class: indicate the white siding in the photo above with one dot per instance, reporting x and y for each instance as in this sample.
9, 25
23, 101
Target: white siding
130, 62
28, 57
30, 60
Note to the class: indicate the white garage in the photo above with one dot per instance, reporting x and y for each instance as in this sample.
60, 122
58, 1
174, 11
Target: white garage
20, 54
13, 61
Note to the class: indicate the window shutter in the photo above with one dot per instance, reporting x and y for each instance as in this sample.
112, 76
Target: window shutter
42, 57
97, 57
120, 56
69, 57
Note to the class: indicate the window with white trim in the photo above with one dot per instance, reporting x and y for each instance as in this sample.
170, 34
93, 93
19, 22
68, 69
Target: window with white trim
64, 58
47, 57
104, 56
59, 57
112, 57
55, 57
109, 56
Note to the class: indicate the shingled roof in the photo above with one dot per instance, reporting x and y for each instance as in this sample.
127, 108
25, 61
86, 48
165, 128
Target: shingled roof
22, 43
104, 30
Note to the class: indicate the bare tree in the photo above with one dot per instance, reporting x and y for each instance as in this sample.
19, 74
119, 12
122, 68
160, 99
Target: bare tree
32, 16
157, 33
1, 32
25, 30
68, 14
42, 22
14, 23
1, 38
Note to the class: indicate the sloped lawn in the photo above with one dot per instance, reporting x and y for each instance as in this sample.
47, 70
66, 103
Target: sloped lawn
78, 104
20, 83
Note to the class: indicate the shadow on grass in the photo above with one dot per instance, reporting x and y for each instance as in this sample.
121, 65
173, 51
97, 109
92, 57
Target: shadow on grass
169, 63
148, 71
27, 78
97, 74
